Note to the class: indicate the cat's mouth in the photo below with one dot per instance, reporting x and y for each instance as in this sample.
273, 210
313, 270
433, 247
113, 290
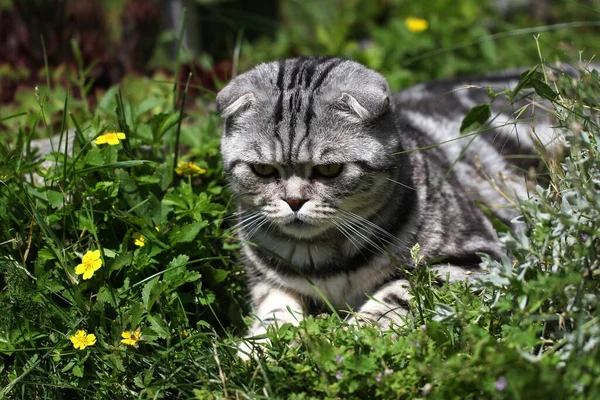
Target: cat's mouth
301, 229
298, 222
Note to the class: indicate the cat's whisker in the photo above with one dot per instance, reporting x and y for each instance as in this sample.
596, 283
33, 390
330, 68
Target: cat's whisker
375, 241
244, 217
373, 229
386, 237
347, 235
349, 225
255, 221
369, 223
236, 214
401, 184
246, 223
256, 227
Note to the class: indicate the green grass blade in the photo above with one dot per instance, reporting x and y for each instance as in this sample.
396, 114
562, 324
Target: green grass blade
178, 57
178, 132
119, 164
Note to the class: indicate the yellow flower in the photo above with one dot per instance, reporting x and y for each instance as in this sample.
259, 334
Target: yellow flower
81, 339
131, 338
90, 263
140, 240
111, 138
416, 24
189, 168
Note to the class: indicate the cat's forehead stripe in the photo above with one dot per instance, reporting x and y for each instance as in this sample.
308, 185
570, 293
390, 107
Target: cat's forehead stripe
299, 86
278, 112
299, 64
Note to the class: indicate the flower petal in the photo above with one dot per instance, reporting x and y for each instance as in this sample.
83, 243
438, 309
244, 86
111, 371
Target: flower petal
80, 269
96, 264
88, 274
90, 339
112, 139
95, 254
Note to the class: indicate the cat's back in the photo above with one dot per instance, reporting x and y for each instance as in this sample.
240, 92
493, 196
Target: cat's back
484, 164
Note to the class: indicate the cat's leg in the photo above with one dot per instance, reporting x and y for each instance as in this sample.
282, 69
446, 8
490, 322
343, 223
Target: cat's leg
272, 306
390, 303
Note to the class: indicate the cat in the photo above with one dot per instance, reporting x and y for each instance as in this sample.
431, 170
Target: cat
335, 179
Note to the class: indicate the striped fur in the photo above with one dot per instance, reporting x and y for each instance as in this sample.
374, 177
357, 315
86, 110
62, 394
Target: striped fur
312, 111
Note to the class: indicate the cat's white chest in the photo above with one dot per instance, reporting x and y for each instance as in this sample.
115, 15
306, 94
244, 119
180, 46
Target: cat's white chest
342, 290
352, 289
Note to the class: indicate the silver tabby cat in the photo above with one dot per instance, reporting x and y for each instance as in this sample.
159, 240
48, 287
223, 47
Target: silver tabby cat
332, 193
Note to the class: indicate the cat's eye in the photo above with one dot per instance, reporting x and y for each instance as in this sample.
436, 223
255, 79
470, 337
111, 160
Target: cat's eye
327, 170
264, 170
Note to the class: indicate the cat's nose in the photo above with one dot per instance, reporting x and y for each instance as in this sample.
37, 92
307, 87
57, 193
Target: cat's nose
295, 204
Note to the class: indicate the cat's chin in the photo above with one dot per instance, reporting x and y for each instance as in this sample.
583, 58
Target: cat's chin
302, 230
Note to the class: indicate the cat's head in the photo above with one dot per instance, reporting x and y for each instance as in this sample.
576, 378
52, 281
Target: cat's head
307, 140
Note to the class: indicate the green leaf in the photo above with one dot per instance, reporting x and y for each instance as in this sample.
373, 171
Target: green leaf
137, 310
208, 297
159, 326
147, 105
107, 295
178, 261
148, 179
161, 123
144, 133
148, 377
78, 371
525, 79
543, 90
165, 172
117, 363
93, 157
55, 198
108, 103
110, 253
187, 232
46, 254
122, 260
173, 199
176, 273
68, 367
475, 118
147, 297
85, 223
217, 275
36, 193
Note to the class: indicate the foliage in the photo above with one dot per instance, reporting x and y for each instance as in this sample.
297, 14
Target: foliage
165, 258
465, 37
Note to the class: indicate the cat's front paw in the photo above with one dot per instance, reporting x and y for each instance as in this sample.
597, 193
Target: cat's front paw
382, 322
249, 347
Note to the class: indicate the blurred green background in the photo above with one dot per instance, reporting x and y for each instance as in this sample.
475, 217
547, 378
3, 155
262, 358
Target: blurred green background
122, 37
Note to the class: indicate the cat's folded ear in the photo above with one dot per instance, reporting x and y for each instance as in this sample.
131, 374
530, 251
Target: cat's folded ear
235, 98
363, 94
369, 107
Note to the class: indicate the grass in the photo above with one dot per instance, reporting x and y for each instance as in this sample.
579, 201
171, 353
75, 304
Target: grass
530, 330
